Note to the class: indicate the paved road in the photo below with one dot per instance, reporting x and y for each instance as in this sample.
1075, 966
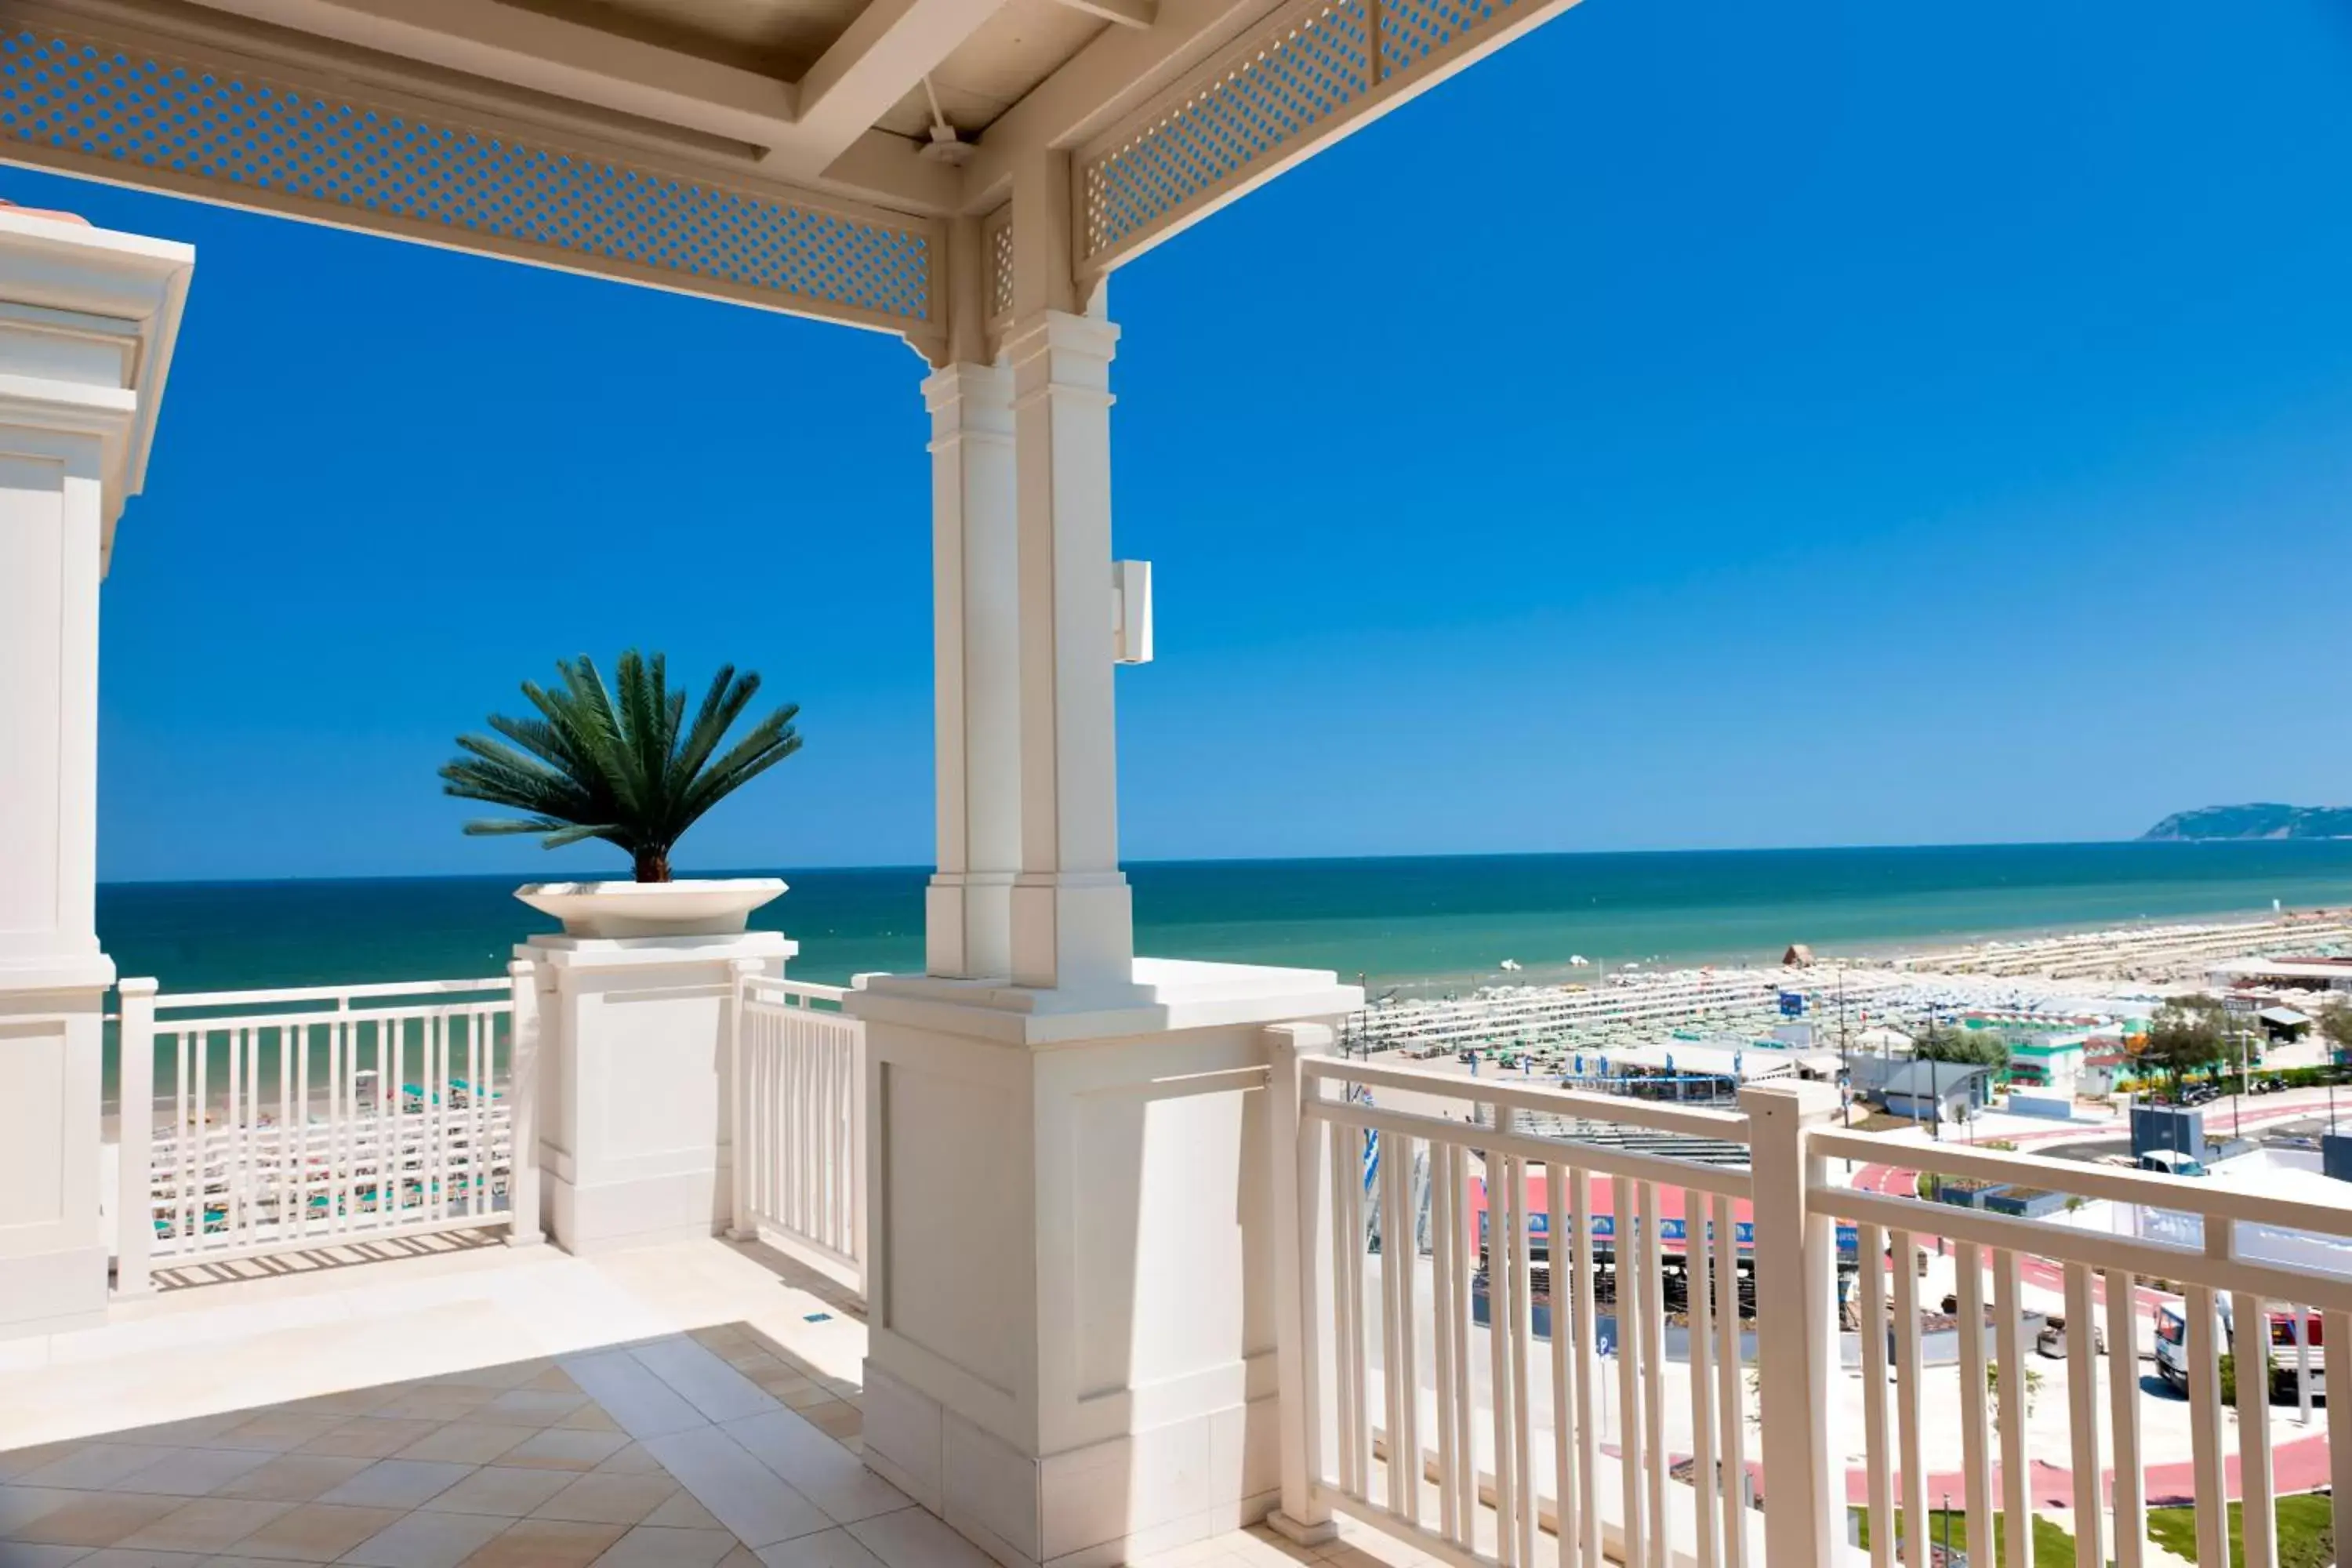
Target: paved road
2288, 1105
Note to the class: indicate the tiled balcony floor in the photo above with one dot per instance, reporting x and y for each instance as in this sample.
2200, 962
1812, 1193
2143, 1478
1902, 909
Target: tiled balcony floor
689, 1405
717, 1447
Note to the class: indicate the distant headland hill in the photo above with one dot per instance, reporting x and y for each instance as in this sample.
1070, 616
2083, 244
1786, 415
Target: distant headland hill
2260, 820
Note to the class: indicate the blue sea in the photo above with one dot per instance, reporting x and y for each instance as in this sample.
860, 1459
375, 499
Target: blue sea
1424, 922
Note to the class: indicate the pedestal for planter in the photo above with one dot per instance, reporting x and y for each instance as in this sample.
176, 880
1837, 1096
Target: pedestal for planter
635, 1001
1071, 1333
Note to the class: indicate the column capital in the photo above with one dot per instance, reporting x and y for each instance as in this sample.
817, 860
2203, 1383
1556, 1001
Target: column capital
1061, 332
966, 384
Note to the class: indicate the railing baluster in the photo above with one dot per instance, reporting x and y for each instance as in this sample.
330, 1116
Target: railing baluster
2205, 1462
1731, 1388
1558, 1227
184, 1163
2009, 1348
1915, 1529
1466, 1397
2251, 1351
1348, 1290
2122, 1395
1501, 1201
1396, 1346
1654, 1455
1698, 1305
1445, 1302
1588, 1369
1976, 1435
1869, 1259
2083, 1395
2336, 1349
1631, 1278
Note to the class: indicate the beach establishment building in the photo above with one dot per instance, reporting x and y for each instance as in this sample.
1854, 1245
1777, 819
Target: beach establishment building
1051, 1254
1936, 1092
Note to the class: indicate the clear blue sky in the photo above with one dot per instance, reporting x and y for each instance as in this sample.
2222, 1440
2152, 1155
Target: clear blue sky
1704, 424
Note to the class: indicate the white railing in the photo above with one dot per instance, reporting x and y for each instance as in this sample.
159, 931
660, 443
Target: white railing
300, 1117
1483, 1435
2104, 1287
799, 1075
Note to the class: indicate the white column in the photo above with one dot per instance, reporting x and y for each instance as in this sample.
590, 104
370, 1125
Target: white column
1073, 923
87, 323
976, 610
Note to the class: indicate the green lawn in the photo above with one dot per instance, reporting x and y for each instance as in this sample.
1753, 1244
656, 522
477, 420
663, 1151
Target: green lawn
2052, 1547
2306, 1531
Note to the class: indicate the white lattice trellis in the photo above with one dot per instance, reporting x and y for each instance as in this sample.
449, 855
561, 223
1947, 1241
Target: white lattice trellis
1319, 59
999, 264
79, 97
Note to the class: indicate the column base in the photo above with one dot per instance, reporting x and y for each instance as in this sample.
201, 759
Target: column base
967, 924
1074, 932
1070, 1341
1290, 1529
53, 1242
1114, 1501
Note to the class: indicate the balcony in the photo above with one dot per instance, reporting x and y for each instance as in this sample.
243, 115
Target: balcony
337, 1335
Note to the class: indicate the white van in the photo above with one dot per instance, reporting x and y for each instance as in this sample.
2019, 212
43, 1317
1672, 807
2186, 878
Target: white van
2172, 1346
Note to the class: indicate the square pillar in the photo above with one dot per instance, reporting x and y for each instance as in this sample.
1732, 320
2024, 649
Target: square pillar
635, 1110
88, 319
967, 909
1072, 919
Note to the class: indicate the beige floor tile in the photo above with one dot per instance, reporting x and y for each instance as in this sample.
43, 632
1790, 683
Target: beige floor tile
547, 1543
808, 1396
467, 1442
195, 1472
370, 1437
532, 1406
315, 1532
94, 1519
587, 1418
826, 1549
502, 1489
206, 1525
295, 1477
91, 1465
632, 1460
649, 1546
23, 1461
837, 1420
609, 1499
682, 1512
426, 1540
556, 1449
17, 1554
551, 1379
437, 1403
398, 1483
279, 1430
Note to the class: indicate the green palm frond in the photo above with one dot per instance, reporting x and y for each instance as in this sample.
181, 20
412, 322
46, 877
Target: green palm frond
618, 764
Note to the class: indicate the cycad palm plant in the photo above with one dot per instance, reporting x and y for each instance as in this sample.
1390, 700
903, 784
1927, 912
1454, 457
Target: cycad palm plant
629, 770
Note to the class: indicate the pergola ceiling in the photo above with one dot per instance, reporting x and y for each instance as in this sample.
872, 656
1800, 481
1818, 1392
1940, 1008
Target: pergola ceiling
804, 86
1019, 44
777, 153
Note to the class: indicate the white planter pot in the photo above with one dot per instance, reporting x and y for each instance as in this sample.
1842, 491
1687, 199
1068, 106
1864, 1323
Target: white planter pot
712, 907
